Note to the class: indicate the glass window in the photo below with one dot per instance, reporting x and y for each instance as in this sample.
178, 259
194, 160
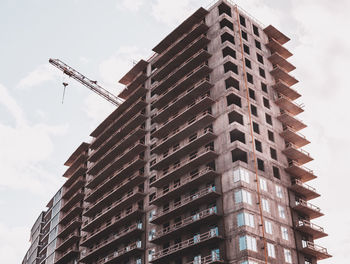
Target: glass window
268, 227
287, 256
265, 205
247, 242
151, 214
243, 196
245, 219
151, 234
284, 232
241, 174
215, 254
271, 250
150, 254
279, 191
281, 212
263, 184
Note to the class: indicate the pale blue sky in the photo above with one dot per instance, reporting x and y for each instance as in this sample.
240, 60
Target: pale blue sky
101, 39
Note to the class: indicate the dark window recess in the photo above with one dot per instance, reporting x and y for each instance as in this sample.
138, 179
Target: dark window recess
242, 20
237, 135
235, 117
258, 146
245, 35
251, 94
152, 196
254, 110
226, 23
250, 78
248, 63
264, 87
261, 165
233, 99
268, 119
246, 49
227, 51
262, 72
238, 154
224, 9
271, 136
256, 128
266, 102
260, 58
230, 66
276, 172
227, 37
231, 82
273, 153
256, 30
258, 44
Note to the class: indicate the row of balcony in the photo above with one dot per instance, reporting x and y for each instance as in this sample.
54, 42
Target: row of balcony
312, 229
277, 59
183, 184
309, 248
185, 224
288, 105
289, 120
193, 160
111, 242
191, 79
300, 172
294, 137
297, 154
282, 88
203, 240
194, 142
207, 195
121, 253
113, 139
304, 190
306, 208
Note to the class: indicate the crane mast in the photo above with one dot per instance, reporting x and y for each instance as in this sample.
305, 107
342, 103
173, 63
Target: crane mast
92, 85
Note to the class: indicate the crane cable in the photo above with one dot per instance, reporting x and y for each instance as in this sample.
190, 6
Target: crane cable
252, 138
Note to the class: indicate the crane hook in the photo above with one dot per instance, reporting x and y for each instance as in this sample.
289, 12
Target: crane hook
64, 90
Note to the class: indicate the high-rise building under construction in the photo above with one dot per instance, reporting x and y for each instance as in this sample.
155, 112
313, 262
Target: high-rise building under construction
202, 163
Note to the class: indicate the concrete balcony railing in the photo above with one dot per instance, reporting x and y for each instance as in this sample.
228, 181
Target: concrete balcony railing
288, 120
188, 222
304, 190
124, 252
312, 249
294, 153
187, 129
195, 159
310, 228
181, 206
197, 240
307, 208
185, 183
283, 88
292, 136
286, 104
211, 259
301, 172
105, 186
109, 243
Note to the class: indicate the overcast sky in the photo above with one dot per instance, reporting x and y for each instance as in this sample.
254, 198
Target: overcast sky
102, 39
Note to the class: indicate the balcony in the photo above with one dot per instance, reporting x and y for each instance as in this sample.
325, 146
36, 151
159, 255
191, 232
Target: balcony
205, 216
194, 160
68, 204
66, 256
70, 189
309, 228
131, 125
114, 257
277, 59
211, 259
274, 46
69, 227
174, 62
307, 209
122, 172
76, 210
292, 136
311, 249
196, 123
68, 241
304, 190
185, 184
288, 120
202, 240
110, 243
280, 74
286, 104
273, 32
205, 195
299, 155
197, 107
196, 142
300, 172
182, 100
118, 121
282, 88
76, 167
105, 187
110, 225
182, 85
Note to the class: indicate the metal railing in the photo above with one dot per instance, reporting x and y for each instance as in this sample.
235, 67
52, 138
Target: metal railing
294, 131
306, 223
313, 246
208, 259
307, 204
304, 185
291, 145
120, 252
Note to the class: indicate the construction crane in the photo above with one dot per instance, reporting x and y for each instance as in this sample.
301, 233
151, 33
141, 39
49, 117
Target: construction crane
92, 85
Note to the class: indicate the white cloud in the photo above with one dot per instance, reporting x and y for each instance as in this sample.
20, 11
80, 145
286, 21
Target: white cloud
7, 100
41, 74
130, 5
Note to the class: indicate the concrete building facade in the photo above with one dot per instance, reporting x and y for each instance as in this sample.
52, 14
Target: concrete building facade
203, 162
